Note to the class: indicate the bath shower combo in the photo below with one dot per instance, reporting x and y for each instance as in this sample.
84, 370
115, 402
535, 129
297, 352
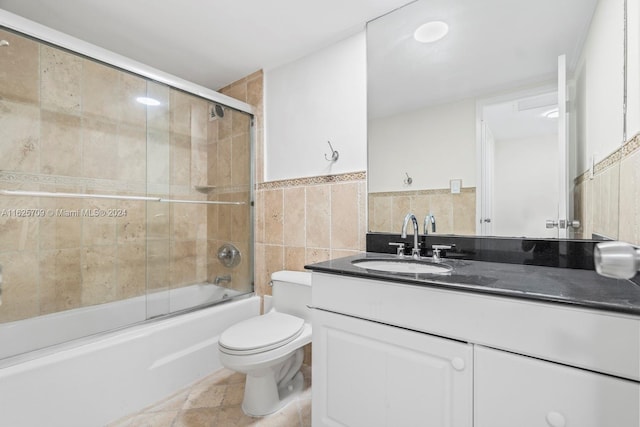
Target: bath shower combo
114, 198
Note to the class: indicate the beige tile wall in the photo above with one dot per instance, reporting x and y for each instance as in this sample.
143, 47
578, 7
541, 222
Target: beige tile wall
303, 222
454, 213
630, 197
68, 124
609, 203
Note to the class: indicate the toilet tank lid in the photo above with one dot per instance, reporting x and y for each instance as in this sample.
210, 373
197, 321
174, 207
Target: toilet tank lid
301, 277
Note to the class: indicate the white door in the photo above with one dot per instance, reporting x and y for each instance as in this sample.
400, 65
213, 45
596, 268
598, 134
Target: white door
485, 226
366, 374
519, 164
523, 156
563, 151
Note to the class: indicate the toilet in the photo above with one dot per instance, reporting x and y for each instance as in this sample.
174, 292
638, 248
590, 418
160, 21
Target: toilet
268, 348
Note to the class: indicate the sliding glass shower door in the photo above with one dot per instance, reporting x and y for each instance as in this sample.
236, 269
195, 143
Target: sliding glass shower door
118, 196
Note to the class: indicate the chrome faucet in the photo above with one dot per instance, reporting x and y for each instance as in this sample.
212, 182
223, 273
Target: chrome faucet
429, 219
415, 252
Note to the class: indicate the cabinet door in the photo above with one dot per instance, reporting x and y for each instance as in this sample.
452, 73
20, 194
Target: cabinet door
373, 375
513, 390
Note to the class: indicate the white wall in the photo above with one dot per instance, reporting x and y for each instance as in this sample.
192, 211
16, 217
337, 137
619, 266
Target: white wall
599, 77
319, 98
437, 144
525, 186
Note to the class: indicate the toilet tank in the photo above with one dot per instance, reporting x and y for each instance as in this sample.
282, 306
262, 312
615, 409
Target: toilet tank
292, 293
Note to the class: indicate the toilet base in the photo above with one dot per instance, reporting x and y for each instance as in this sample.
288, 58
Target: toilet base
265, 394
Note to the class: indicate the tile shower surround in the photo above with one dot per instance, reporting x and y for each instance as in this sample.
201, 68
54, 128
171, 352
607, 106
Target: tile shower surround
75, 126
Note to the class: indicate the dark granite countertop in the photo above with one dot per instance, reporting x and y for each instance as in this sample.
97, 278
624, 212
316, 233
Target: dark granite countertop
584, 288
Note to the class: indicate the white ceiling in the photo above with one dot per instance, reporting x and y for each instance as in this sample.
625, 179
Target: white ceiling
209, 42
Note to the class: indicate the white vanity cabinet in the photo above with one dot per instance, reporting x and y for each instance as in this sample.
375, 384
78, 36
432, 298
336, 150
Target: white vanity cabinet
393, 354
373, 375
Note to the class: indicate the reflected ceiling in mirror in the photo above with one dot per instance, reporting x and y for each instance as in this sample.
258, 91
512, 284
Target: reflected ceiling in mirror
491, 45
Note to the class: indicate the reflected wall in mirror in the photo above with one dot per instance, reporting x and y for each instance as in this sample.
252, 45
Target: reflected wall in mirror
483, 107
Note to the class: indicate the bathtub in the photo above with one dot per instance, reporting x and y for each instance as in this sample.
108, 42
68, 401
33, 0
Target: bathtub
98, 379
43, 331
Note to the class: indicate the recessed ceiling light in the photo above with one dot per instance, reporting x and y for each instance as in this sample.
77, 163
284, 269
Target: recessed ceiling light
552, 114
431, 31
147, 101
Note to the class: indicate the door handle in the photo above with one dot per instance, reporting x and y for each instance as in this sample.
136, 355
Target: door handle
563, 223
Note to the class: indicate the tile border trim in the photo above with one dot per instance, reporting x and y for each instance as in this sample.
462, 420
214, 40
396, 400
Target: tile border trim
626, 150
313, 180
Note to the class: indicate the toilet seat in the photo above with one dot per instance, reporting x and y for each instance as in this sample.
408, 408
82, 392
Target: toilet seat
260, 334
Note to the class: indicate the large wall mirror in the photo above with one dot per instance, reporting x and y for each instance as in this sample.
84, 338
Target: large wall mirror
503, 124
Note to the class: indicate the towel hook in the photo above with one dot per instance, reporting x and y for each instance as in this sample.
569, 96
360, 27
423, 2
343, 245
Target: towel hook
408, 180
334, 154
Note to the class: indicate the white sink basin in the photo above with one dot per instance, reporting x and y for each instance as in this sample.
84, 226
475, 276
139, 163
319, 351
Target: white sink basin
403, 266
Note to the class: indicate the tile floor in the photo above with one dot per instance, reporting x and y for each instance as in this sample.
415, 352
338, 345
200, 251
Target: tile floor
215, 402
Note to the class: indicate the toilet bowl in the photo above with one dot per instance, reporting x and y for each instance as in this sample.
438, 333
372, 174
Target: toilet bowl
268, 348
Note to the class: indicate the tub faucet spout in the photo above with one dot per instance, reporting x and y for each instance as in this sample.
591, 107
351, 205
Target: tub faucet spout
415, 252
220, 279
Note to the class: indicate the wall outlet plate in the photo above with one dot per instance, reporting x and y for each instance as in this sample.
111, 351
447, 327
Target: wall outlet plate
455, 185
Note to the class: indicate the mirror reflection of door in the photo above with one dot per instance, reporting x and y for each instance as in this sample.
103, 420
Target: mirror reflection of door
520, 182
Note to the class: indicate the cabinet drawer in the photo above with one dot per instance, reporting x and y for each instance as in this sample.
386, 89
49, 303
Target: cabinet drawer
513, 390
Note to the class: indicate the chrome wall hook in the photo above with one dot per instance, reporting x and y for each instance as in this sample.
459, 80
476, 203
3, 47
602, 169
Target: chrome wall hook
408, 180
334, 154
